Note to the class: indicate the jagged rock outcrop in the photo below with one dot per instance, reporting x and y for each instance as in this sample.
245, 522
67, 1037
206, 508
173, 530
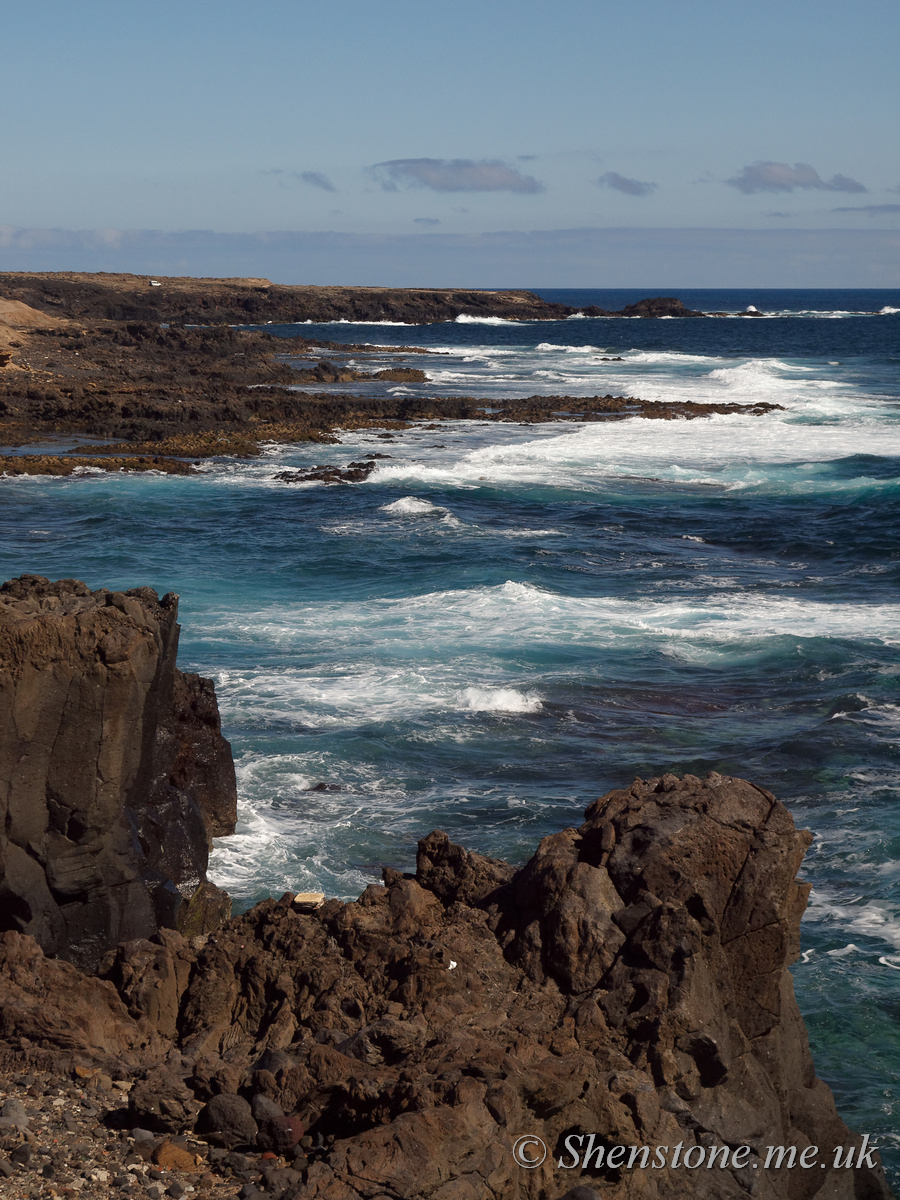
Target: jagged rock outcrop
113, 771
653, 306
630, 982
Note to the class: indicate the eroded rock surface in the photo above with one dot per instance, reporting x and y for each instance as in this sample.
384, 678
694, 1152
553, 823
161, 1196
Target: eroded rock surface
630, 981
113, 771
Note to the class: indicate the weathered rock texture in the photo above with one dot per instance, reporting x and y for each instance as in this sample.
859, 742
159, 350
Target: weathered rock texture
630, 981
113, 770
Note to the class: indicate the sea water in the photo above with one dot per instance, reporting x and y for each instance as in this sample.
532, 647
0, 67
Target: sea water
504, 621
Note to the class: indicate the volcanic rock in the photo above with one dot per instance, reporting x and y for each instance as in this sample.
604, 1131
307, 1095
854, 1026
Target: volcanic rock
115, 774
230, 1119
629, 981
355, 472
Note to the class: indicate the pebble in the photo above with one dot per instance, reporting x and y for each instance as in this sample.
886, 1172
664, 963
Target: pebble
56, 1143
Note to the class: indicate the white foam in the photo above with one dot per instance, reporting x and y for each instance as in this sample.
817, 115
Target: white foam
481, 699
456, 623
883, 720
466, 319
768, 453
872, 918
291, 837
844, 951
344, 321
413, 506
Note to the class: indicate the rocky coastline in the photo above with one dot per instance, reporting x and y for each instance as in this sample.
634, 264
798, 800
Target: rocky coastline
114, 359
630, 981
191, 301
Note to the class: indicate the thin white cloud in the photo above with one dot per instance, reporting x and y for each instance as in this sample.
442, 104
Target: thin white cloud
873, 210
781, 177
621, 183
316, 179
453, 175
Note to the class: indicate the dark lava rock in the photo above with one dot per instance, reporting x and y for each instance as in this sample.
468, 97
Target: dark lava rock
354, 472
103, 833
630, 980
659, 306
230, 1118
162, 1102
276, 1131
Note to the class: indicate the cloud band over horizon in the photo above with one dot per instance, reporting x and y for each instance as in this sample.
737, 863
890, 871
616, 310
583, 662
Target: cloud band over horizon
653, 259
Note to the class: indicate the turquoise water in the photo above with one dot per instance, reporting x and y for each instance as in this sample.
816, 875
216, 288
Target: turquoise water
505, 621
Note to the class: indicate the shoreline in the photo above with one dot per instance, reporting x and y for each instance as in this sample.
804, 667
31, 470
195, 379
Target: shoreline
197, 301
161, 397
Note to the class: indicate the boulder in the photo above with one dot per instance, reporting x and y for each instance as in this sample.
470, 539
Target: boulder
228, 1120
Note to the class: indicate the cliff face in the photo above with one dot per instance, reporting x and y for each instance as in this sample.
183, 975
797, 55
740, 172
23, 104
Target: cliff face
113, 772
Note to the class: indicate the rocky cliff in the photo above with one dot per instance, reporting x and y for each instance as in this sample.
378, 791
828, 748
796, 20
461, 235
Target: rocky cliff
628, 985
113, 771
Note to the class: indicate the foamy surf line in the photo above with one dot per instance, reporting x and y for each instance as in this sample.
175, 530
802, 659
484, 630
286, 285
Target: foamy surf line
495, 615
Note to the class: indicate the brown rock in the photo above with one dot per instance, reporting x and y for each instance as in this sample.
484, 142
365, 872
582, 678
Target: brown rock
630, 982
111, 758
56, 1015
172, 1157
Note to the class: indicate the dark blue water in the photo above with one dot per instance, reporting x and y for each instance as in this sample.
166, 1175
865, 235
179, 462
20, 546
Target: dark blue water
505, 621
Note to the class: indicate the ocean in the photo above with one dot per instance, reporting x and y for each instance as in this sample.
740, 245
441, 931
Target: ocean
505, 621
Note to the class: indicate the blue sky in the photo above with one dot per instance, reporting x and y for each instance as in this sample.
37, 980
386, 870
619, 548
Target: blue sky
461, 141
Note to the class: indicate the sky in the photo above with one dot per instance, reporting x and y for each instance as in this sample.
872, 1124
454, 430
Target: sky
583, 143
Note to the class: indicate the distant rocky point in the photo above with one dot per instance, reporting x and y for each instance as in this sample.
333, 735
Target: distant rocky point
183, 300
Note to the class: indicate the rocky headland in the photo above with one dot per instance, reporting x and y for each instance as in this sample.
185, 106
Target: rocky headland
628, 982
115, 359
191, 301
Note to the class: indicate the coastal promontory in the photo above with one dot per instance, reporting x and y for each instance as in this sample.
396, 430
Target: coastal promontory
187, 300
